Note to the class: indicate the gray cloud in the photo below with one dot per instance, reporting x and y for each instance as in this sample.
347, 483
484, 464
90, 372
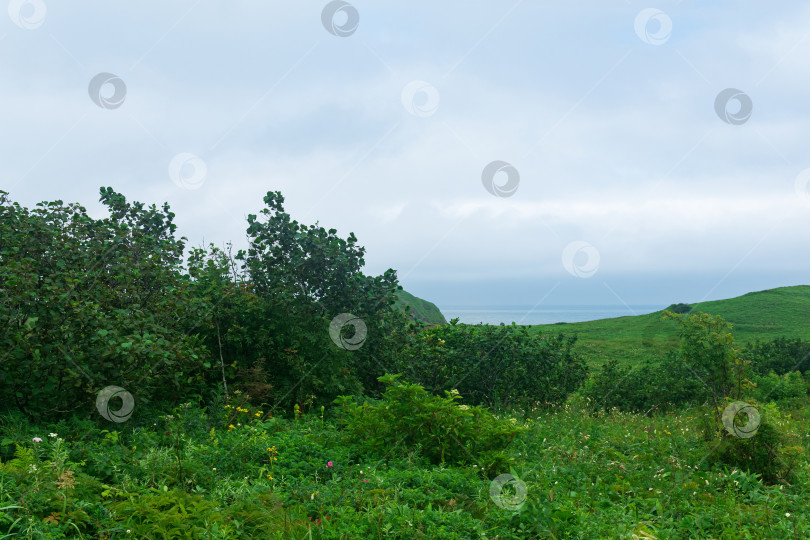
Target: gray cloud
616, 140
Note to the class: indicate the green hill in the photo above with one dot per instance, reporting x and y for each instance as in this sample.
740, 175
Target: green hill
422, 310
763, 315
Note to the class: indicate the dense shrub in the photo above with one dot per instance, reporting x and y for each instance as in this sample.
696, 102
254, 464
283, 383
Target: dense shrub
706, 366
651, 386
496, 366
171, 514
88, 303
708, 370
301, 277
707, 354
773, 450
782, 355
659, 386
773, 387
408, 417
612, 385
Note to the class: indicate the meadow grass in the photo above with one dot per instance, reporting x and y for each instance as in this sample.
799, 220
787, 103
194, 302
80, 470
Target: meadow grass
762, 315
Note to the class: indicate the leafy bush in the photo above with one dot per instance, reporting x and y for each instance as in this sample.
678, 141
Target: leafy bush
501, 366
305, 275
773, 387
707, 348
409, 417
652, 386
707, 354
612, 385
782, 355
89, 303
772, 451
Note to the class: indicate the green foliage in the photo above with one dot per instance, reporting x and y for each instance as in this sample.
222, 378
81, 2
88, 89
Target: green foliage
773, 387
708, 355
614, 386
171, 514
408, 417
586, 475
23, 459
85, 303
496, 366
178, 514
649, 387
273, 305
90, 303
781, 355
311, 264
773, 451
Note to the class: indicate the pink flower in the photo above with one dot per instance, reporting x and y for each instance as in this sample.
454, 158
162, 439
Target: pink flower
328, 463
36, 439
365, 479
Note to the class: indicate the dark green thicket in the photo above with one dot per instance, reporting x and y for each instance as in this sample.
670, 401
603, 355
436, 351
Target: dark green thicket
781, 355
496, 366
272, 306
90, 303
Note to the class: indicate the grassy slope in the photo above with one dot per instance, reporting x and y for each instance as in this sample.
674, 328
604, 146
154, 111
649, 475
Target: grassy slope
420, 309
758, 315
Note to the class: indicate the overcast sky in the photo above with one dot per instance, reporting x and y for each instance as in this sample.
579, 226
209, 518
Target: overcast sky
639, 177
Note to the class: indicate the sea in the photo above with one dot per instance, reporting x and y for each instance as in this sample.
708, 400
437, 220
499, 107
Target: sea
543, 314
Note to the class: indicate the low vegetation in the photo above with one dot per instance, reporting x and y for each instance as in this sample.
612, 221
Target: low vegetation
150, 391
